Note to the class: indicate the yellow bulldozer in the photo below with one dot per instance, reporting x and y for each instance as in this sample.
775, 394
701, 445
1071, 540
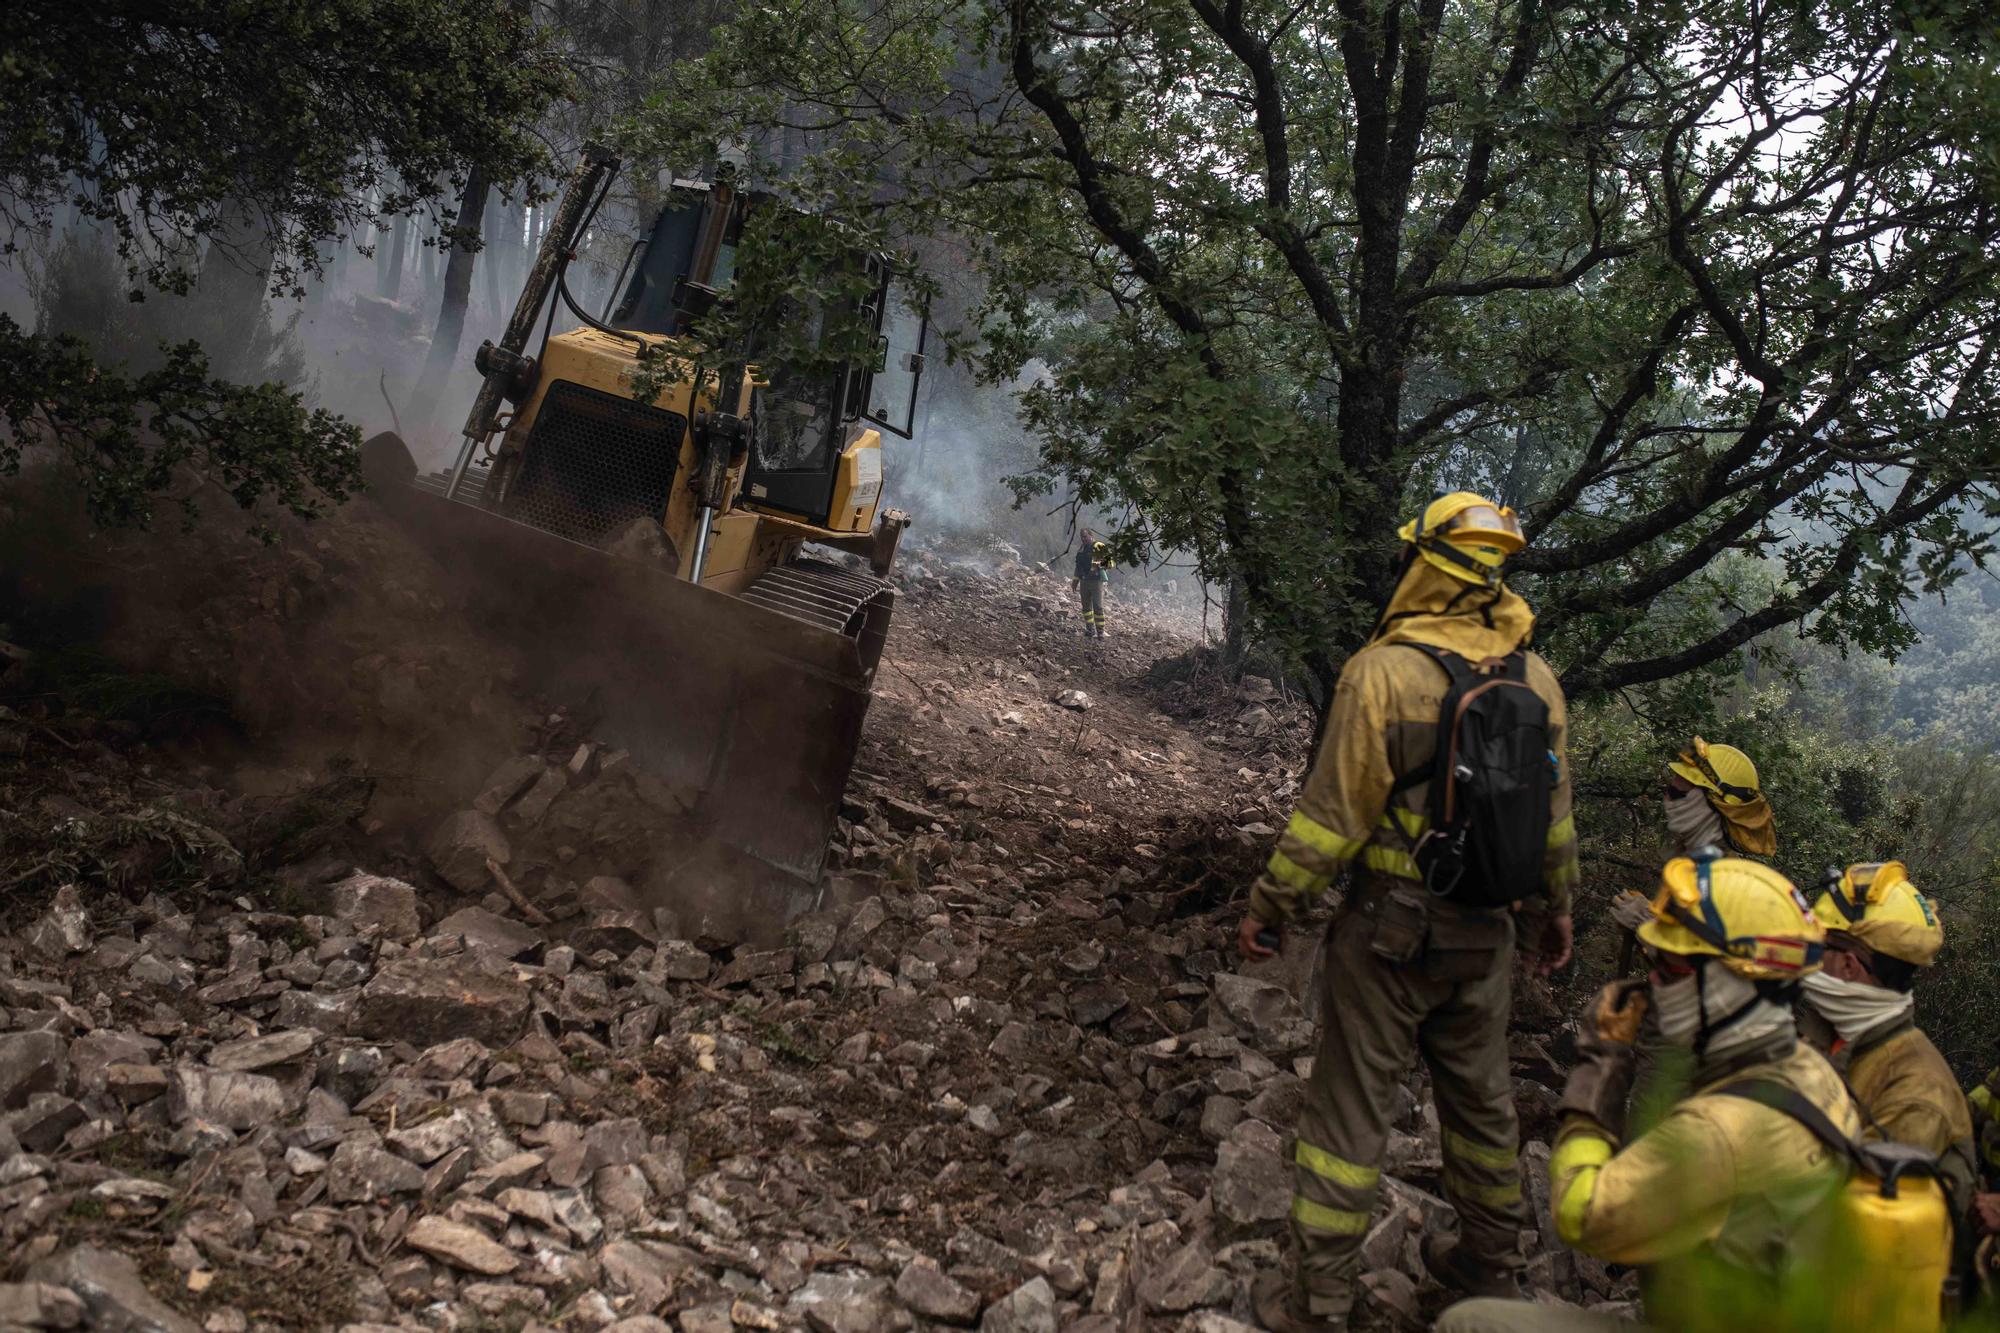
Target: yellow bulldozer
654, 540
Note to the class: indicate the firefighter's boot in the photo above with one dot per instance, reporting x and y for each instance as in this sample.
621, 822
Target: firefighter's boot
1459, 1271
1277, 1307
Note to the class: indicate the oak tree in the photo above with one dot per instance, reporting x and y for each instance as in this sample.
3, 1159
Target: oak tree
1707, 290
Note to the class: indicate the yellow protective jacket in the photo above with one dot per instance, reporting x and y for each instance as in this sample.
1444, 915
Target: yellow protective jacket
1720, 1177
1903, 1083
1384, 723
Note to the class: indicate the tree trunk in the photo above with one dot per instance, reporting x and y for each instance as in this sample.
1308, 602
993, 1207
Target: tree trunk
457, 294
496, 252
1235, 626
390, 258
427, 267
332, 272
519, 256
235, 276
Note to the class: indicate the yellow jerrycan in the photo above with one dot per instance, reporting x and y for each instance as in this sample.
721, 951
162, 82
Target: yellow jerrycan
1895, 1223
1888, 1235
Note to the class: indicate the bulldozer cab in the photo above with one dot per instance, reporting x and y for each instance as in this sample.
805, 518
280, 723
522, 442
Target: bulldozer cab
805, 407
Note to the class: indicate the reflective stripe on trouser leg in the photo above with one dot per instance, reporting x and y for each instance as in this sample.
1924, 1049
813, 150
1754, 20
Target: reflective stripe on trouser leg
1481, 1176
1331, 1194
1464, 1041
1367, 1041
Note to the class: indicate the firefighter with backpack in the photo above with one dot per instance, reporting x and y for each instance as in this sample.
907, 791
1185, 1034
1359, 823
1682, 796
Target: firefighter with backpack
1441, 773
1752, 1204
1881, 931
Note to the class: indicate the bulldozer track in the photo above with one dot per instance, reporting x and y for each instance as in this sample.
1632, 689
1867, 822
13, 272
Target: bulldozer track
818, 593
471, 488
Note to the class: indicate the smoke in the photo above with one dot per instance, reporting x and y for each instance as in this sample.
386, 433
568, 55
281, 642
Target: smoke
951, 479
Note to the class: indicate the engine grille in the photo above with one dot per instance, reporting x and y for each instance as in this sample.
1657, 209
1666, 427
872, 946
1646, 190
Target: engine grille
595, 462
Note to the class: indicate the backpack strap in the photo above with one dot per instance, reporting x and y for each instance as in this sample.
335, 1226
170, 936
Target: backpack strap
1457, 671
1791, 1102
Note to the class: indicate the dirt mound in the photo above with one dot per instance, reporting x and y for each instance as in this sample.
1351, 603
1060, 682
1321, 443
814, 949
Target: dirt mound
337, 640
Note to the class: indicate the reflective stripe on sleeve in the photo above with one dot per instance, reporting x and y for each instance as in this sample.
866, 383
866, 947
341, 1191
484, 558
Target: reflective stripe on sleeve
1321, 838
1573, 1172
1293, 875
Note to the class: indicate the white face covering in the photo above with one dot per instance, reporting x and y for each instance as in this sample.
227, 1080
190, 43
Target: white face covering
1690, 1005
1856, 1008
1691, 822
1677, 1009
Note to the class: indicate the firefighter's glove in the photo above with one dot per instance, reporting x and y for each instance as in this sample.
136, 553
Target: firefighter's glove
1602, 1079
1614, 1020
1631, 910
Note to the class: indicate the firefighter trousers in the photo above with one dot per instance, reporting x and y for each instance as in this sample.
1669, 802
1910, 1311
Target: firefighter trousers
1448, 1002
1093, 605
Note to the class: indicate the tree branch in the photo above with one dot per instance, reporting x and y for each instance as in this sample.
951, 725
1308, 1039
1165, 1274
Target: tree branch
1597, 678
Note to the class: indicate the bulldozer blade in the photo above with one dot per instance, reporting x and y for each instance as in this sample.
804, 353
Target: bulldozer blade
752, 717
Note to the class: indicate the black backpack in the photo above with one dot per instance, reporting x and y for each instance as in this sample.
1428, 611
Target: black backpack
1489, 802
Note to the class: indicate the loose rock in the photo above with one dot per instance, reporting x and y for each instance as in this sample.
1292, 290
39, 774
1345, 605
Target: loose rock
930, 1293
461, 1246
462, 845
109, 1286
1029, 1308
31, 1062
376, 902
426, 1001
223, 1097
249, 1054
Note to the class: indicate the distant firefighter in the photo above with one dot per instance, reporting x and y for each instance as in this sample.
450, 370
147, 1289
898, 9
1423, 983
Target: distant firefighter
1093, 564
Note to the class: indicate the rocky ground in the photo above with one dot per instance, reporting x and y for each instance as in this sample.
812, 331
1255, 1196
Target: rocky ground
287, 1063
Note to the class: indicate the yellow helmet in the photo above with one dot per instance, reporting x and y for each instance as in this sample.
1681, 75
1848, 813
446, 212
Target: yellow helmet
1876, 904
1746, 914
1465, 535
1721, 769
